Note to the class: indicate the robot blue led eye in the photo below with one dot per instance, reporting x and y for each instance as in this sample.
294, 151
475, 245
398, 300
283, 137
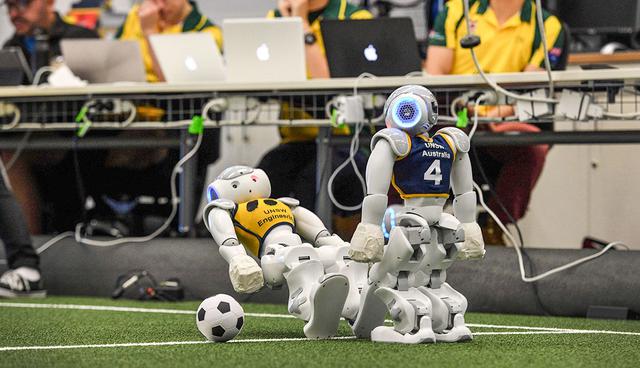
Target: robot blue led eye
212, 195
406, 112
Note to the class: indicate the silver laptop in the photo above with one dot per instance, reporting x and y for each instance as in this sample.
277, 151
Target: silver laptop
104, 61
188, 57
264, 50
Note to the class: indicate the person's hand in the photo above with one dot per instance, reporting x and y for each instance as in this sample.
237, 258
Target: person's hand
295, 8
149, 15
473, 247
245, 274
367, 244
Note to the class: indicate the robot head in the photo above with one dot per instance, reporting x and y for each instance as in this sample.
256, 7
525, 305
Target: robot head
412, 109
240, 184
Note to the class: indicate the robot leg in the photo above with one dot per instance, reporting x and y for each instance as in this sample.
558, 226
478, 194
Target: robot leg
411, 313
336, 259
449, 307
372, 310
313, 296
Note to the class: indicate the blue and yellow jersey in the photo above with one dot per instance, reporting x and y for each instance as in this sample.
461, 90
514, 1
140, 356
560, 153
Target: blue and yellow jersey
425, 171
507, 47
254, 220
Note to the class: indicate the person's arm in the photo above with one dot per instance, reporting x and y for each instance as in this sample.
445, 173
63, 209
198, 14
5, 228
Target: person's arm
149, 15
317, 65
439, 60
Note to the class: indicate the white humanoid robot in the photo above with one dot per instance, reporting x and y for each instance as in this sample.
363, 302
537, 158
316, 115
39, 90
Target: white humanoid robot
409, 273
324, 284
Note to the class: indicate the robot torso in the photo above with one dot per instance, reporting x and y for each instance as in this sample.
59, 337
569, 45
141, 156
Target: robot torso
425, 170
254, 220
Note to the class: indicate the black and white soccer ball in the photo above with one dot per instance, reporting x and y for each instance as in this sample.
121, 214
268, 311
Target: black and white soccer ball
220, 318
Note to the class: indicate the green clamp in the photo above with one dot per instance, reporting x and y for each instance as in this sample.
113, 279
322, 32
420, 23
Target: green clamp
85, 123
463, 119
197, 125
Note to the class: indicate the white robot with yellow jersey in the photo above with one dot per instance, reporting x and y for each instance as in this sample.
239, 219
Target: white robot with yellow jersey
409, 273
324, 284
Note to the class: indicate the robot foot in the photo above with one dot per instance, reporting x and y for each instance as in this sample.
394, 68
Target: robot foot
370, 314
327, 302
424, 335
459, 332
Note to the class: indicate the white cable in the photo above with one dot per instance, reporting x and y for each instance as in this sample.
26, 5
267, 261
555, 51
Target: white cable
487, 80
54, 240
543, 35
629, 115
353, 150
11, 108
475, 115
359, 78
18, 152
517, 246
39, 73
128, 105
174, 208
4, 176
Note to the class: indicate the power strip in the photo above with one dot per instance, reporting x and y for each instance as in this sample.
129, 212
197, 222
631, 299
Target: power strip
350, 109
573, 105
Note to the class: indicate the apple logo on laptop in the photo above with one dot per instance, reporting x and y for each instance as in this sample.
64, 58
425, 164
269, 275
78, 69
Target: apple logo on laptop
370, 53
190, 63
262, 52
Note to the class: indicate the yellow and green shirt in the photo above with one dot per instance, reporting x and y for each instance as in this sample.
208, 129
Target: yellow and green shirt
194, 22
509, 47
335, 9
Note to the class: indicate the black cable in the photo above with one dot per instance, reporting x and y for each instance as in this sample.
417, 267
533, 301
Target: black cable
79, 181
532, 267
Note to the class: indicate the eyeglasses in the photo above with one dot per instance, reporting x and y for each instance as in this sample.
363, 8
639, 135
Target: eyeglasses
19, 5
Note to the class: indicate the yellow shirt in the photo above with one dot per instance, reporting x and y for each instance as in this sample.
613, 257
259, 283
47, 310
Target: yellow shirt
194, 22
254, 220
335, 9
509, 47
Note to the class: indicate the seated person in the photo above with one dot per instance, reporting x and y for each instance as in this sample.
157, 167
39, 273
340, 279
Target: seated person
135, 172
510, 43
163, 17
31, 19
292, 164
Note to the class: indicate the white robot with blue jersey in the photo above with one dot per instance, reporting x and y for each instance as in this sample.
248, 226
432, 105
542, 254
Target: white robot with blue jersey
408, 276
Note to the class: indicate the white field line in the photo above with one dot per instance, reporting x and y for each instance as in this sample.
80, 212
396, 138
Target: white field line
168, 343
530, 329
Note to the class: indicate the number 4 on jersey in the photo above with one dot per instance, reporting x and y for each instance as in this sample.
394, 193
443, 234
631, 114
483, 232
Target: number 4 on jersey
434, 173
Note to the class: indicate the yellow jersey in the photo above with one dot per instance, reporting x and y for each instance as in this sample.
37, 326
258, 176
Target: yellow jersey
509, 47
254, 220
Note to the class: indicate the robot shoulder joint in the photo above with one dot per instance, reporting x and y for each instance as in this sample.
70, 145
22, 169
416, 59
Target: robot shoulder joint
460, 139
399, 140
290, 202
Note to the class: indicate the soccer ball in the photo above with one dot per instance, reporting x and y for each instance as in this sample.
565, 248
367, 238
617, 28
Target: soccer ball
220, 318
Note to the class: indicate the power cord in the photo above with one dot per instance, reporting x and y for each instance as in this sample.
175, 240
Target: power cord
470, 41
8, 109
195, 128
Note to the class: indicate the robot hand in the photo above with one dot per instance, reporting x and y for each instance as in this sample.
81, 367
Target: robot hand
331, 240
367, 244
473, 247
245, 274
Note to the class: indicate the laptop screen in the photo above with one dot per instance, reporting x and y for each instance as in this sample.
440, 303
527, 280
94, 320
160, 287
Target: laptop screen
383, 47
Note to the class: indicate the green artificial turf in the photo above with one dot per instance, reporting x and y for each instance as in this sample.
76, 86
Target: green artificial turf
45, 327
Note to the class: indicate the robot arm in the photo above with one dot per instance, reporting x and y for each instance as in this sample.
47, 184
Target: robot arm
368, 242
464, 204
309, 225
244, 272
